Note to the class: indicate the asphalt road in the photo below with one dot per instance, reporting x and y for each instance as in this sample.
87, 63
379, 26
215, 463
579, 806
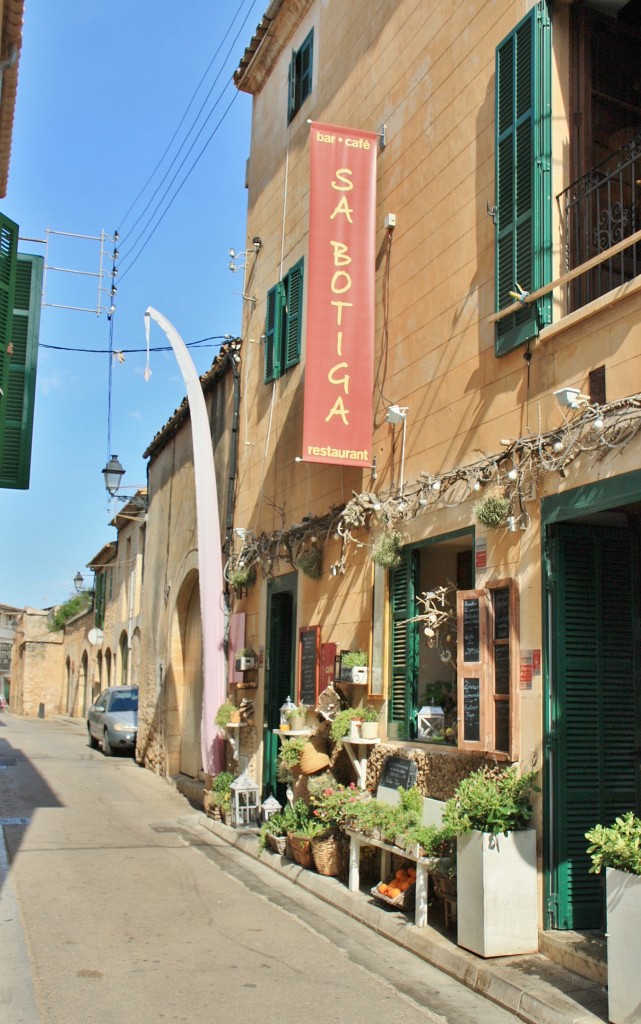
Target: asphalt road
115, 903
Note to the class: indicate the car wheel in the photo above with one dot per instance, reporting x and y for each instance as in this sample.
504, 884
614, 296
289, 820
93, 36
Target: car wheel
106, 745
93, 742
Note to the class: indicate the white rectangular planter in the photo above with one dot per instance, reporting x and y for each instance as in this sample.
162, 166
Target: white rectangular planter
497, 902
623, 892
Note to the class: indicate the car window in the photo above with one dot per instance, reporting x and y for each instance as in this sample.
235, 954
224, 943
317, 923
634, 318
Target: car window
124, 702
102, 699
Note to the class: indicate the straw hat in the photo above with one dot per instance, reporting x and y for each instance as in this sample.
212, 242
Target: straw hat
314, 757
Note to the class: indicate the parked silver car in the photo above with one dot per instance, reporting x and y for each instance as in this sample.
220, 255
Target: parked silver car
112, 719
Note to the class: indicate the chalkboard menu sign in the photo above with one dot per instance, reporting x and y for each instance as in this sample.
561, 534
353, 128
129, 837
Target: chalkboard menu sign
502, 668
398, 771
501, 599
472, 710
471, 630
502, 725
308, 651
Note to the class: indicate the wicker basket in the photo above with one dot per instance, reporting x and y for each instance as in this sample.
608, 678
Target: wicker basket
405, 901
327, 852
277, 843
301, 850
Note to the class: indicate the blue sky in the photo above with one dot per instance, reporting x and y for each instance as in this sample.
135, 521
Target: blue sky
102, 91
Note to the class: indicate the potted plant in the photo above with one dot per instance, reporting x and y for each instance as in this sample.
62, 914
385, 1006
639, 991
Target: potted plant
310, 562
341, 724
354, 667
296, 718
274, 832
617, 848
496, 861
245, 660
221, 795
227, 713
289, 755
369, 722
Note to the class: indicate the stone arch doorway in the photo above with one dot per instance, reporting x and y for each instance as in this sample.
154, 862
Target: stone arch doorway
184, 693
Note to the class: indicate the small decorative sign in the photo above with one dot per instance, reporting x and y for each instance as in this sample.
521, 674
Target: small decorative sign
526, 670
481, 552
398, 771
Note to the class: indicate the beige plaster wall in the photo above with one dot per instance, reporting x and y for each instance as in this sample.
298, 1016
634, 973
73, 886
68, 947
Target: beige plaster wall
430, 80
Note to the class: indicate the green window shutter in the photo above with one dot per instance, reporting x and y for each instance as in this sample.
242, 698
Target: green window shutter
8, 259
19, 399
273, 332
291, 88
523, 175
293, 315
305, 55
404, 668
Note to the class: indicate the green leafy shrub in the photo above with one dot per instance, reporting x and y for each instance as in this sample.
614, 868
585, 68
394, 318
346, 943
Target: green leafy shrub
221, 789
617, 845
341, 723
291, 818
434, 841
289, 756
493, 508
333, 804
491, 800
224, 714
74, 606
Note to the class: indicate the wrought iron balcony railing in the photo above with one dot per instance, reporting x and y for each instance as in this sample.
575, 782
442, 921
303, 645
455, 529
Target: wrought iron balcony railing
599, 210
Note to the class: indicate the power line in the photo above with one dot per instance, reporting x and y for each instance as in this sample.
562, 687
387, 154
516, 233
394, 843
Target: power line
180, 124
129, 351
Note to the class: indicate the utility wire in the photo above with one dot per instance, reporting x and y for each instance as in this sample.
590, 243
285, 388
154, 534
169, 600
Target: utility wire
182, 121
178, 190
128, 351
141, 234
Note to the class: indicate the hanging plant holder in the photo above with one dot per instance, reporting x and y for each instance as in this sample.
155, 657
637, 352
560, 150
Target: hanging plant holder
387, 550
310, 562
493, 509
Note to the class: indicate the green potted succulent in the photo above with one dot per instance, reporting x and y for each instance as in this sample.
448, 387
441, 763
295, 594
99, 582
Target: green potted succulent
496, 861
617, 848
354, 667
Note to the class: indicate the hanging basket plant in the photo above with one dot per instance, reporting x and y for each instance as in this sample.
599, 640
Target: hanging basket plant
311, 562
242, 577
493, 509
387, 550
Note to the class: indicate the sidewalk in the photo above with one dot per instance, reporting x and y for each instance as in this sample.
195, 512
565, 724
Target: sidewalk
536, 989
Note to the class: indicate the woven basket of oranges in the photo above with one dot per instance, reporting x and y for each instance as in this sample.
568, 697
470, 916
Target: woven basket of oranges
399, 890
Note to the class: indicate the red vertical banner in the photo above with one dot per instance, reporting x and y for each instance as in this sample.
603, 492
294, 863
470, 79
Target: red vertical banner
339, 361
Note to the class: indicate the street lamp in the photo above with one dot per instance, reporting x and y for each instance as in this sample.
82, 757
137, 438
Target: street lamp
77, 581
113, 474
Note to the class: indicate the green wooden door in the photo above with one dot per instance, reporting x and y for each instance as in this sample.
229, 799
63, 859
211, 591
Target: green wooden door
595, 726
404, 647
280, 675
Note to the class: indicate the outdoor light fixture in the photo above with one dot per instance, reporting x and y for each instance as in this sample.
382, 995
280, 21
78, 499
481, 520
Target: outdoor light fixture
571, 398
77, 581
113, 474
396, 414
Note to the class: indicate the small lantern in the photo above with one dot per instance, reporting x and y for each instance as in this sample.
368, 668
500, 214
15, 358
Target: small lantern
430, 722
244, 801
285, 709
269, 807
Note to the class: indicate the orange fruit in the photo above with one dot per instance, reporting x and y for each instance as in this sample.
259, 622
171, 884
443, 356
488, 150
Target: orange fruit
383, 888
393, 892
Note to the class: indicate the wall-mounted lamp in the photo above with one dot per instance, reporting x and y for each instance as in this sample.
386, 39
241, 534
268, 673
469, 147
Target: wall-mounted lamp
396, 414
113, 474
571, 398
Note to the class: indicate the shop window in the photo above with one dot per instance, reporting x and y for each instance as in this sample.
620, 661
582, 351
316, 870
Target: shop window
487, 669
284, 323
300, 76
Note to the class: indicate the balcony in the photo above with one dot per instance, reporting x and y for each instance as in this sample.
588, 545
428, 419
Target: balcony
599, 210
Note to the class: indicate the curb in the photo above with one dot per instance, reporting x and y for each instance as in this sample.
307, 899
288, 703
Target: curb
525, 995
